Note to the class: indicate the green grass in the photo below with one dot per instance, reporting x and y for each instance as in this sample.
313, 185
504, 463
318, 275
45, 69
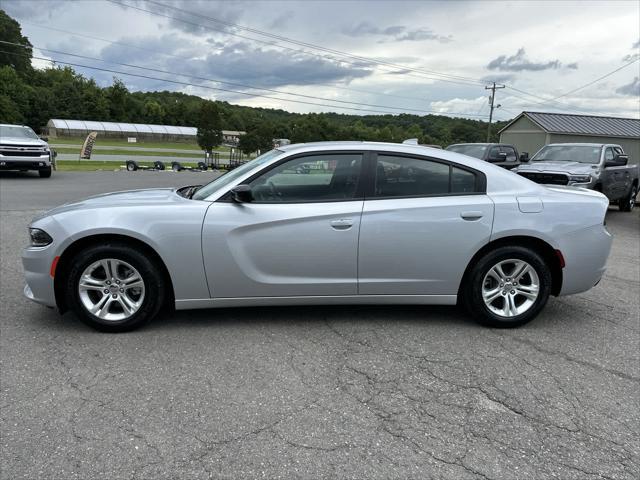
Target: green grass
120, 142
132, 152
93, 165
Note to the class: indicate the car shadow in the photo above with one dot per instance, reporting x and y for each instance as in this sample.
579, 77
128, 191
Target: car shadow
214, 318
25, 175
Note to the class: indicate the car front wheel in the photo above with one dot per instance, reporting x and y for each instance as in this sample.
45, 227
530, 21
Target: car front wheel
45, 172
114, 287
507, 287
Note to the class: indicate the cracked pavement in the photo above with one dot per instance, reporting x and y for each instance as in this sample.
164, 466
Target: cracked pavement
318, 392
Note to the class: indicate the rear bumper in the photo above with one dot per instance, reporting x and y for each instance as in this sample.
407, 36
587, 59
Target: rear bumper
585, 252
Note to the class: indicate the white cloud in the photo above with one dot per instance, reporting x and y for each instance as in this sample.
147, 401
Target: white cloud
596, 38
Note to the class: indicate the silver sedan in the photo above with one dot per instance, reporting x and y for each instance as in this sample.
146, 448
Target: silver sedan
325, 223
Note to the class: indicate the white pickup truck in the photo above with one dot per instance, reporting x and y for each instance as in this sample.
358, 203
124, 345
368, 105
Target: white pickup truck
598, 166
21, 149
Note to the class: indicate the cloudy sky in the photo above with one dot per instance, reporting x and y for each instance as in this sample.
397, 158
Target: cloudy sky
358, 56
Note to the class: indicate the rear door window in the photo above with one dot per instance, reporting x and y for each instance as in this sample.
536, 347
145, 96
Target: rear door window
399, 176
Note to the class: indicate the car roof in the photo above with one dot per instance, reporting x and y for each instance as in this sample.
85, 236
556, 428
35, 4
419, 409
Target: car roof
579, 144
474, 143
358, 145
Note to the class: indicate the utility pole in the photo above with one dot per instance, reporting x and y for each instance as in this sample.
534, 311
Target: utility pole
493, 89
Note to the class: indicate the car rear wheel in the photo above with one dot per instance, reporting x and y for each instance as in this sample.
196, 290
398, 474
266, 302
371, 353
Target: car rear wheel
45, 172
628, 203
507, 287
114, 287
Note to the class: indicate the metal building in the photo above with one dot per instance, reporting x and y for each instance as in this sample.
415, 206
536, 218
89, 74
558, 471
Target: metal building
79, 128
530, 131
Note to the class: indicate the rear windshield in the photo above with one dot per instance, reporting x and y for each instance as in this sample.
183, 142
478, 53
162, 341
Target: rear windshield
471, 150
568, 153
16, 132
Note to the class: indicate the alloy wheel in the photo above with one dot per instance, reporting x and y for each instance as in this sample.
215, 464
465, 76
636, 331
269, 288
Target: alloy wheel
111, 289
510, 288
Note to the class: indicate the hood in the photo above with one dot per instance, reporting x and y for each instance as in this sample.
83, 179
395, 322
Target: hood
35, 142
129, 198
564, 167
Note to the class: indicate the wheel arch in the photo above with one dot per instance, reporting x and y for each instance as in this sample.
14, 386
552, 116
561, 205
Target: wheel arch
544, 249
69, 252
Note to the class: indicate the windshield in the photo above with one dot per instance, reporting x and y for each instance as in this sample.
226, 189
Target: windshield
568, 153
471, 150
16, 132
206, 190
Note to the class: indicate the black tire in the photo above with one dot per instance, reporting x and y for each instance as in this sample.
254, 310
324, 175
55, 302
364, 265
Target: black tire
472, 289
132, 166
202, 166
158, 165
628, 203
176, 166
155, 286
45, 172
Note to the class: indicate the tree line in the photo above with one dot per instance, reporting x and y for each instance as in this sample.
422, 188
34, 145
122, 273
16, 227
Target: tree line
32, 97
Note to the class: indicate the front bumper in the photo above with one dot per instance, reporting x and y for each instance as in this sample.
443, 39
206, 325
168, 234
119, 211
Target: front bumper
24, 163
37, 267
585, 253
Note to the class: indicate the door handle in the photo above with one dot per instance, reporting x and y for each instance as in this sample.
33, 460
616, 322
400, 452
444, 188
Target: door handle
471, 215
342, 224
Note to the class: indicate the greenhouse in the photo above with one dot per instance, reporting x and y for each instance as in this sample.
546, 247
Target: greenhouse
79, 128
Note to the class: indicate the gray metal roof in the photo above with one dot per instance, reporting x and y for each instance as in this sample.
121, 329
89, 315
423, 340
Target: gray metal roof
583, 124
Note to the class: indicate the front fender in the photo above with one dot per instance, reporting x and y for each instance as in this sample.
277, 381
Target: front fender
174, 233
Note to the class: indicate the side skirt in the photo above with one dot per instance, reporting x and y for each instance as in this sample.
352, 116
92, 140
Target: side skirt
187, 304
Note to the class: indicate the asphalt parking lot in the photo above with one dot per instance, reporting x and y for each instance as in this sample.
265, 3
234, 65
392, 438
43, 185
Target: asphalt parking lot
340, 392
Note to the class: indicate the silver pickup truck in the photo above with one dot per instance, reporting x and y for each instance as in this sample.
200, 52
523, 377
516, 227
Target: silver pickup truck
21, 149
598, 166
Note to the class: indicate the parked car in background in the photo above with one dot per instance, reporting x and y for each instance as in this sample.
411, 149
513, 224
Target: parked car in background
501, 154
601, 167
373, 223
21, 149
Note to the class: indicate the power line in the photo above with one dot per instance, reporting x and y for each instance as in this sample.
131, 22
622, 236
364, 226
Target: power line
307, 44
404, 70
216, 88
564, 107
129, 45
591, 82
280, 92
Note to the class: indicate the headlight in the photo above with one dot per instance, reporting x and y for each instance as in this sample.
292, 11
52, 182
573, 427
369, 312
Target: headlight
580, 178
39, 238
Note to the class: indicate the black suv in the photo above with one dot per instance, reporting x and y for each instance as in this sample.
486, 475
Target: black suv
501, 154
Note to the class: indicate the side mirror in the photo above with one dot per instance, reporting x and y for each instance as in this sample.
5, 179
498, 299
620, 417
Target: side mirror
46, 139
617, 161
242, 194
524, 157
